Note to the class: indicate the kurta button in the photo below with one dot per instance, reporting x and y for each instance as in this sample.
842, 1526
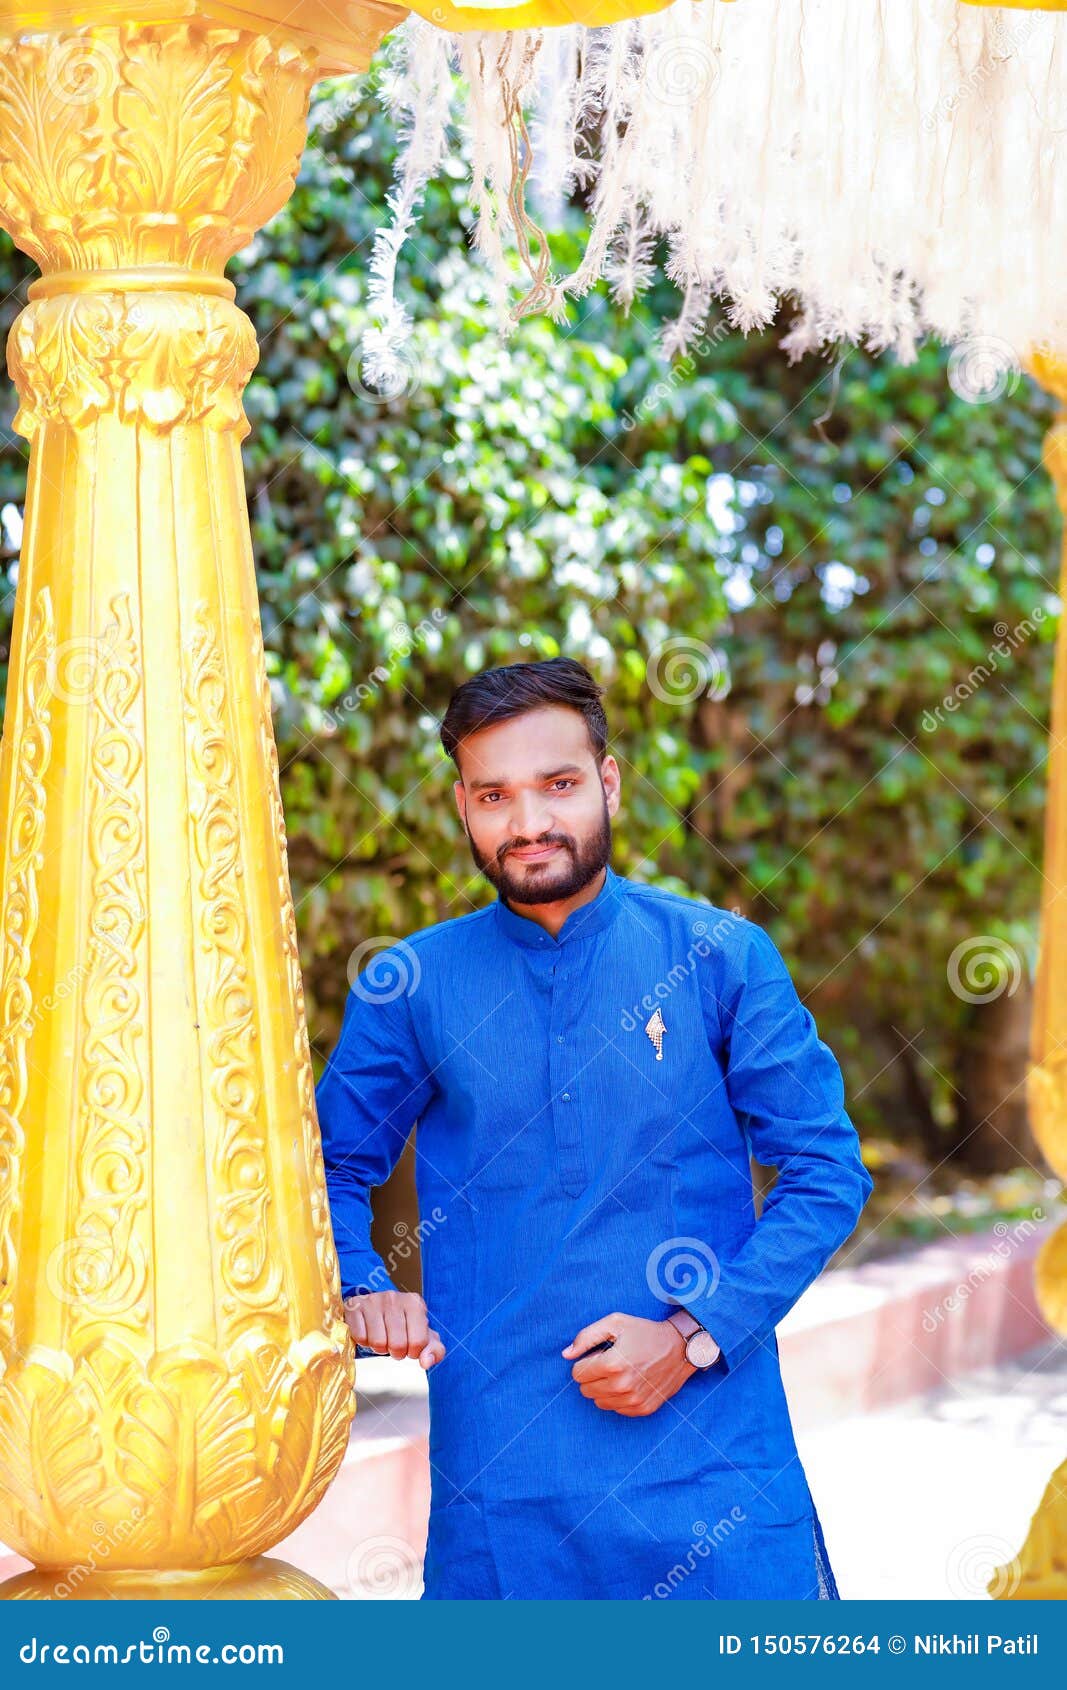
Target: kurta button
559, 1038
566, 1097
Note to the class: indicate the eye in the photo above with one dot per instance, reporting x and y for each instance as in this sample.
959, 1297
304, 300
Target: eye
564, 780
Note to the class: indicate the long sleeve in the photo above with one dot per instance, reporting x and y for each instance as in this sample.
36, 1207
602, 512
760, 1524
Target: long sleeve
787, 1090
373, 1088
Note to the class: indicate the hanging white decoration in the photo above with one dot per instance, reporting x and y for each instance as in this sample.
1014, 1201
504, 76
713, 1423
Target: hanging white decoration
896, 168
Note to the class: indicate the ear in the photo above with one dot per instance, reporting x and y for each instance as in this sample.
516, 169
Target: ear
460, 795
612, 779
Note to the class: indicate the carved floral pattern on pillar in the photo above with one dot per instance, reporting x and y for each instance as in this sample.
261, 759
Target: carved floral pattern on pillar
176, 1376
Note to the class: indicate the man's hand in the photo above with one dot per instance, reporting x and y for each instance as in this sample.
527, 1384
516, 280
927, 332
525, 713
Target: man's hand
645, 1365
394, 1323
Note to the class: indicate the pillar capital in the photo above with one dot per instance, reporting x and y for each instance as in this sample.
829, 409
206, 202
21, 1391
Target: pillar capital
342, 34
135, 159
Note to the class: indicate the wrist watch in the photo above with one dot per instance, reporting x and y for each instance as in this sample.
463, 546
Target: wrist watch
701, 1350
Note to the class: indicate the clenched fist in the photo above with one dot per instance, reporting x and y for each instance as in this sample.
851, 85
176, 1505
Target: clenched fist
394, 1323
645, 1365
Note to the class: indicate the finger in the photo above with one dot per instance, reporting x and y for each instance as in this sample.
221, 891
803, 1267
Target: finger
609, 1327
357, 1325
604, 1365
418, 1327
620, 1402
433, 1352
618, 1378
607, 1388
374, 1321
616, 1405
396, 1328
602, 1397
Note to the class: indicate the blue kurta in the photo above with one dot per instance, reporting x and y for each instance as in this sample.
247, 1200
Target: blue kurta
579, 1155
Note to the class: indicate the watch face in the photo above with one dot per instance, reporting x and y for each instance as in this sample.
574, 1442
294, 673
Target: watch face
701, 1349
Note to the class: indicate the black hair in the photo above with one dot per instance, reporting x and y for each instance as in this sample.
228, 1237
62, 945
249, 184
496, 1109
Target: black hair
496, 695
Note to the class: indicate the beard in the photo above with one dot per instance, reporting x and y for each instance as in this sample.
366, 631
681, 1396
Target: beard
548, 882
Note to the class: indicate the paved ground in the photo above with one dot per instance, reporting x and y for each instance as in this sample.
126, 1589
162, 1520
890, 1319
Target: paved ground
926, 1499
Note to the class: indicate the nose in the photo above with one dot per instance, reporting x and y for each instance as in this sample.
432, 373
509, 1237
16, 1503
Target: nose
531, 816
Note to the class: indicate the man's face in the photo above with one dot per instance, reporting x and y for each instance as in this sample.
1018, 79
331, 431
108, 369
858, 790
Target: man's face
536, 808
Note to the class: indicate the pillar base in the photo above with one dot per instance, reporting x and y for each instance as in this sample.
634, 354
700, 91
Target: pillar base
1039, 1571
258, 1579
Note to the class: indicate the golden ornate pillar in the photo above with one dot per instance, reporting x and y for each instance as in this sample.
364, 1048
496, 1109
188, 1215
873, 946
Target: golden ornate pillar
1040, 1569
176, 1377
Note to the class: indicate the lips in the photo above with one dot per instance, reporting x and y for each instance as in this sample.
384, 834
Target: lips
526, 855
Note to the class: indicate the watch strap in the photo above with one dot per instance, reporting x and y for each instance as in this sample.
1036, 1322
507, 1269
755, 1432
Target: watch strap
686, 1323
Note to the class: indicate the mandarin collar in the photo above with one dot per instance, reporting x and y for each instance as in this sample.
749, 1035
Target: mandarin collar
581, 923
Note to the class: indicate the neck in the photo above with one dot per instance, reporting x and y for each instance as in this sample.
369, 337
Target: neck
552, 916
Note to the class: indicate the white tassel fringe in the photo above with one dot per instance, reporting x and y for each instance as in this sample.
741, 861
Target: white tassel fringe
898, 168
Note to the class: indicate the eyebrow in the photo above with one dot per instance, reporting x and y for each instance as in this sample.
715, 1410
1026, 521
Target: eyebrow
542, 774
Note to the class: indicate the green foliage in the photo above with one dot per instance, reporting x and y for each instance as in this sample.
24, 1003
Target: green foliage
840, 538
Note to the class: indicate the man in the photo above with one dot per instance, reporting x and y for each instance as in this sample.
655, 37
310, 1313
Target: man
591, 1062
